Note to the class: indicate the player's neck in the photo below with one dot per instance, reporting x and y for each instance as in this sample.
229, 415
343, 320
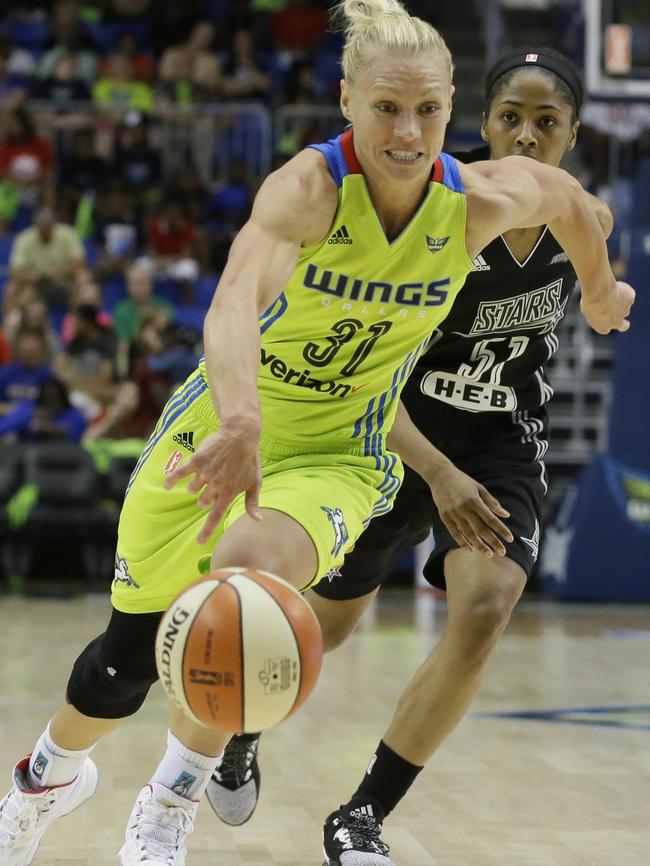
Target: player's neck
396, 204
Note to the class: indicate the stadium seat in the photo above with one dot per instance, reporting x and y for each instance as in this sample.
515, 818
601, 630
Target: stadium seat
190, 317
66, 507
6, 243
204, 289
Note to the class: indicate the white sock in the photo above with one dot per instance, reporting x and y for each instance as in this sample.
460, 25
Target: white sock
183, 771
51, 764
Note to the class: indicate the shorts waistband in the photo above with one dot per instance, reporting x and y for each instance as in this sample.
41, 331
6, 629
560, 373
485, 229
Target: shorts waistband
276, 443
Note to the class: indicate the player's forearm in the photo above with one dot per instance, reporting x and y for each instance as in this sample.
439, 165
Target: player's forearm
232, 357
414, 448
578, 231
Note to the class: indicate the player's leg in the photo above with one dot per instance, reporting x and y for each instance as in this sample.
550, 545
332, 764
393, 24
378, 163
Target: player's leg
481, 595
59, 775
339, 600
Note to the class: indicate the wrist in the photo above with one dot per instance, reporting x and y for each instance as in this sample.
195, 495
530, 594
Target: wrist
246, 422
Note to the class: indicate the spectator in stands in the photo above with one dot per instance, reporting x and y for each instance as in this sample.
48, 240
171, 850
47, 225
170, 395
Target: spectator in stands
6, 353
299, 27
129, 314
171, 239
118, 91
172, 353
116, 229
69, 38
21, 379
51, 416
87, 366
141, 64
26, 159
88, 293
81, 171
135, 161
64, 86
244, 74
29, 313
48, 255
178, 62
13, 85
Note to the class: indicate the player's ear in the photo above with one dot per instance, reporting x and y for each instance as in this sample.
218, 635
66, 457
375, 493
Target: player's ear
484, 134
345, 100
573, 136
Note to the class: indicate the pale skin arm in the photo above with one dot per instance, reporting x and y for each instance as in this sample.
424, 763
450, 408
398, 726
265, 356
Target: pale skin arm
517, 192
468, 510
295, 206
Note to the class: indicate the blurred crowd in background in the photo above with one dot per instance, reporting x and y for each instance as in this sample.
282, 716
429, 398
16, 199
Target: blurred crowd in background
117, 199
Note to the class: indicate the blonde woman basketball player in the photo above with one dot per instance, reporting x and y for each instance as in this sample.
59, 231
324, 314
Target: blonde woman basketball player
308, 343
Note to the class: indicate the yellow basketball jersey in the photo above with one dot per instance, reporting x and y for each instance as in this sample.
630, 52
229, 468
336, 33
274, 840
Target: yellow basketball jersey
339, 343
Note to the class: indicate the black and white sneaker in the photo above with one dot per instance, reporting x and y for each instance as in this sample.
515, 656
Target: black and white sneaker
234, 788
351, 837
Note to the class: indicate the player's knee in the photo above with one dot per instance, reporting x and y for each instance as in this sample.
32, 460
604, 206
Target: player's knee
98, 690
484, 615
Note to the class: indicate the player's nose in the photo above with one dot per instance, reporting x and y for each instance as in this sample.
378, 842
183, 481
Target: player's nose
526, 136
407, 127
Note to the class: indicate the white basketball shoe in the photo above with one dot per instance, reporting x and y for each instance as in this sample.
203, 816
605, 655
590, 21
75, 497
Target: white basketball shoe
26, 813
157, 829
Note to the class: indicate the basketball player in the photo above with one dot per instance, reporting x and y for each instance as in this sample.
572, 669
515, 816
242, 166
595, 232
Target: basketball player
478, 396
308, 343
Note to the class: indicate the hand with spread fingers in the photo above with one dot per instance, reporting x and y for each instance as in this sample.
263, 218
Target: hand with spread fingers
470, 513
611, 313
226, 464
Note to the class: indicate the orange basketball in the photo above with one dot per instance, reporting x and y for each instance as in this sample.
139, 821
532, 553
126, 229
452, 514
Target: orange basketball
239, 650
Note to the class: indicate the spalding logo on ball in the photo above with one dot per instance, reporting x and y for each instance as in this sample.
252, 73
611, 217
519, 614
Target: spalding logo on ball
239, 650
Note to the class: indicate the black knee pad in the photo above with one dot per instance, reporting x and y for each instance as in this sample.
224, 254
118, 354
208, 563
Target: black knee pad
112, 676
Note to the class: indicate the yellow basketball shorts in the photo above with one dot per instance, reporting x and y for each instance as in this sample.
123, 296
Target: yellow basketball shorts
333, 491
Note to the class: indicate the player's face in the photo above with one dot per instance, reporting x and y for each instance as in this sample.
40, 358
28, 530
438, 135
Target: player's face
399, 107
530, 117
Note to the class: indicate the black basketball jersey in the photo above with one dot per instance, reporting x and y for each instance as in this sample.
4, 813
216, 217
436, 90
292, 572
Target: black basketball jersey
489, 353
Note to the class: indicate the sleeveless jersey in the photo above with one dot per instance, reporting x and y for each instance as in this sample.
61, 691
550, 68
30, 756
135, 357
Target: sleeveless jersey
489, 353
358, 310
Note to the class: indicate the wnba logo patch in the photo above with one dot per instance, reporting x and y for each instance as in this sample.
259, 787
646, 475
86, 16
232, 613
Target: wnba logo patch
341, 533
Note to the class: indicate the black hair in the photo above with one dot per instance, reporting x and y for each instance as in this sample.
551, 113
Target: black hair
566, 76
53, 385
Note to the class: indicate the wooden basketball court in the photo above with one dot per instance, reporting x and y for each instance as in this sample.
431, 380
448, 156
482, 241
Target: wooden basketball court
552, 768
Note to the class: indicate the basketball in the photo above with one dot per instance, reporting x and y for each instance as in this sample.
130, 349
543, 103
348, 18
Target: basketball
239, 650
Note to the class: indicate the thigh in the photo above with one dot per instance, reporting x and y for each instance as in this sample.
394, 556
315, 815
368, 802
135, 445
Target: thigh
382, 544
331, 497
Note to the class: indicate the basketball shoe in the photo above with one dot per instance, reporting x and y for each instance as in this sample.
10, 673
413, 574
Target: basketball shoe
26, 813
234, 789
351, 837
157, 828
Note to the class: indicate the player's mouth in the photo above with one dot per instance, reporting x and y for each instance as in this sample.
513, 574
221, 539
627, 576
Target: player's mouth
404, 157
529, 153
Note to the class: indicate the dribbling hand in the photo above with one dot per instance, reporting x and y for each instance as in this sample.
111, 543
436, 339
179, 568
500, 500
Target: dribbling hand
610, 314
224, 465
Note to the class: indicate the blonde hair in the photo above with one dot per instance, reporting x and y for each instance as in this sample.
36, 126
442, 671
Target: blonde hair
383, 24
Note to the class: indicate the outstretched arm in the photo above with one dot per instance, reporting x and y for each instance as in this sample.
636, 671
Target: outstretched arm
518, 192
295, 206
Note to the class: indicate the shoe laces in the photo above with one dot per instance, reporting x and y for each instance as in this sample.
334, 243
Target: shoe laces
160, 831
364, 833
235, 767
20, 814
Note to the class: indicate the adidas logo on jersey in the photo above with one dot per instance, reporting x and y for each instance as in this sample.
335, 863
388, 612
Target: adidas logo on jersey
186, 440
340, 236
559, 258
480, 264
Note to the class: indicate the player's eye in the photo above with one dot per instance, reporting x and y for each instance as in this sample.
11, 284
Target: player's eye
385, 107
429, 108
509, 117
547, 121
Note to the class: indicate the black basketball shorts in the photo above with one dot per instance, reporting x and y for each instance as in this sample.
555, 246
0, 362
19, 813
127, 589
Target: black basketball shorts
502, 451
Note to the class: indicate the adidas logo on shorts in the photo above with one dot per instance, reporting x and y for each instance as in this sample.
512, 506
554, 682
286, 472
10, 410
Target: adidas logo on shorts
340, 236
186, 440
